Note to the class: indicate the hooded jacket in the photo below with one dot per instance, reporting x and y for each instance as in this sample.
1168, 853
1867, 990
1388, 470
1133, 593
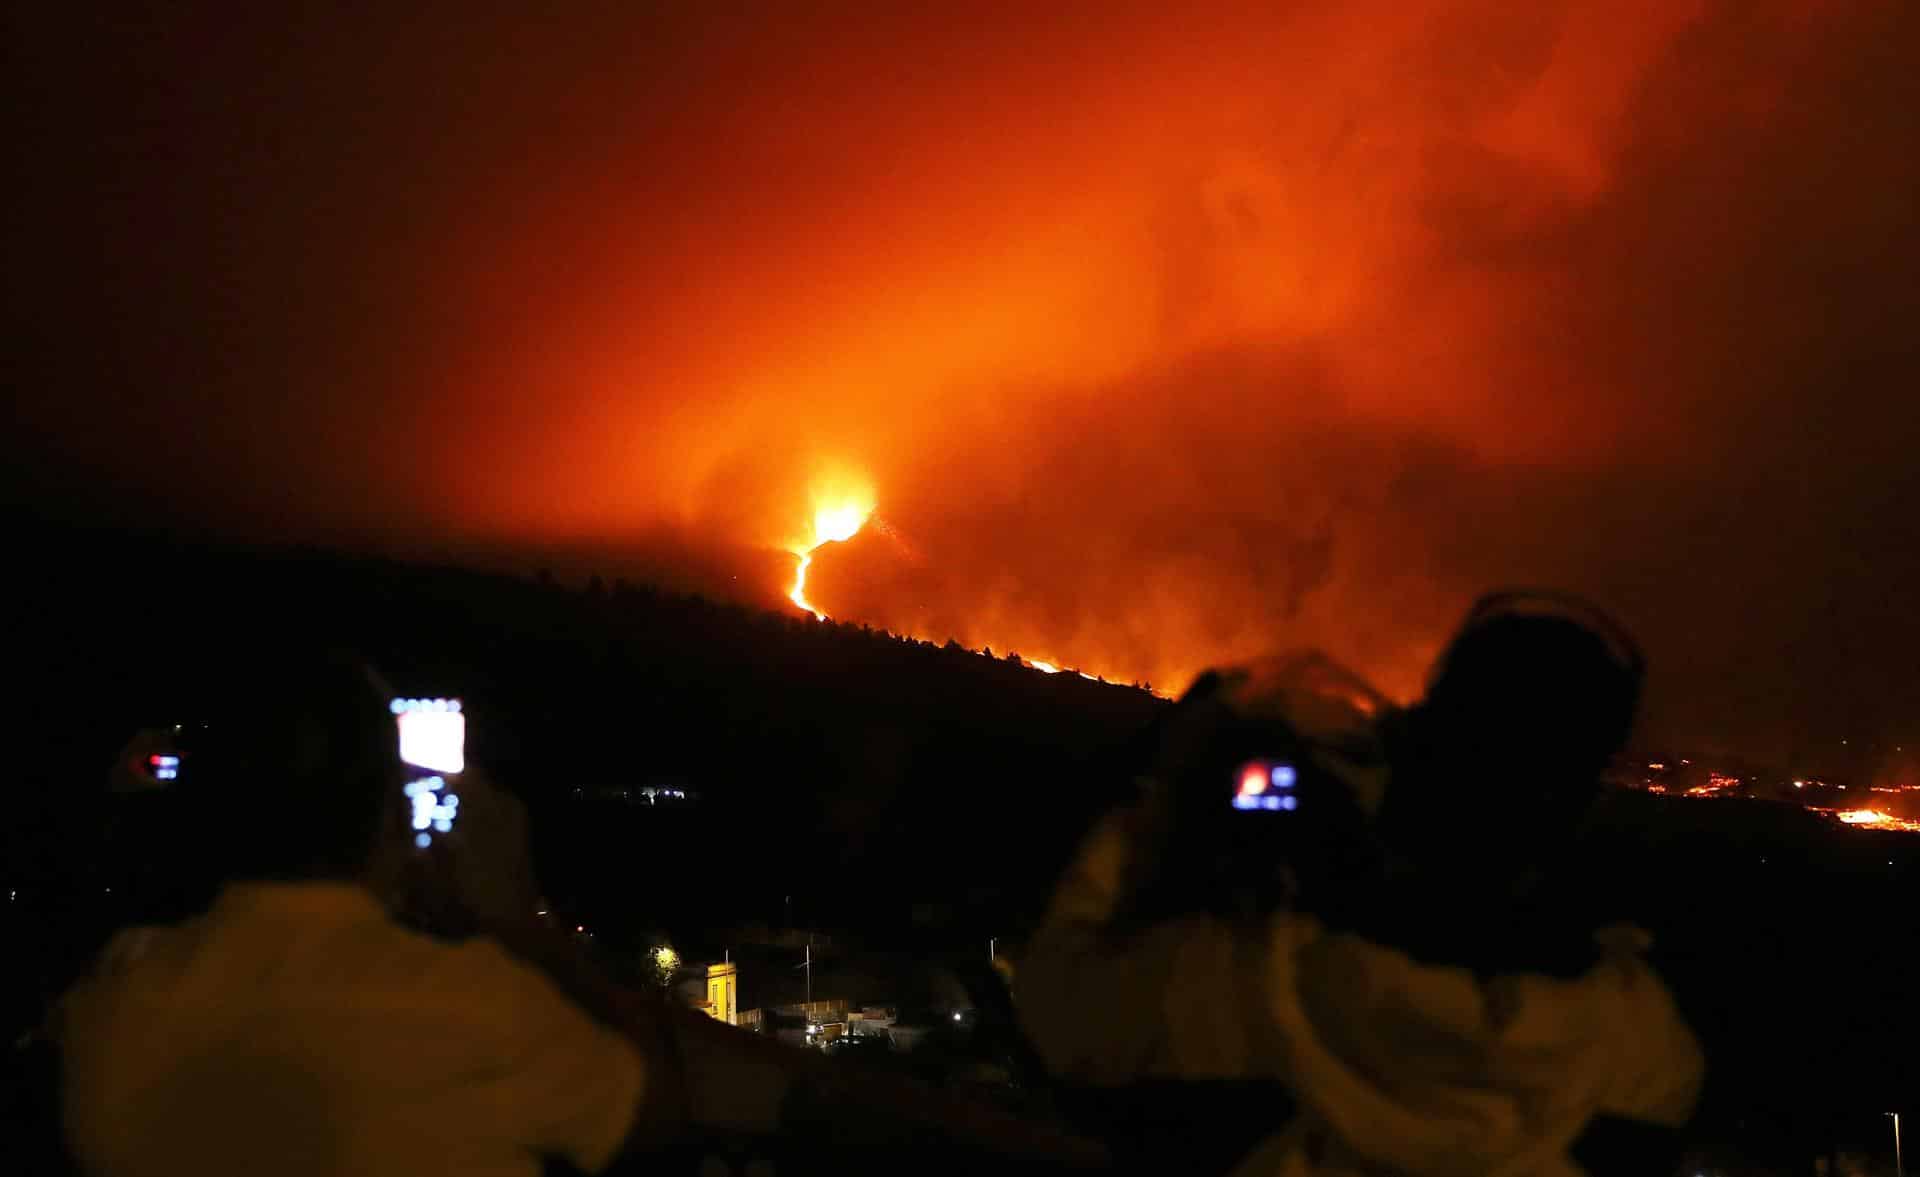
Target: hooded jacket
1397, 1066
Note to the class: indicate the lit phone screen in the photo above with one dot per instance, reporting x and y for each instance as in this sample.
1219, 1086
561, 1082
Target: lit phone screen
1266, 785
433, 733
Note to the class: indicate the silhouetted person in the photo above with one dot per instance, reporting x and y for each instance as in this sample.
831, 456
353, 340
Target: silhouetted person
1437, 1026
297, 1028
1494, 770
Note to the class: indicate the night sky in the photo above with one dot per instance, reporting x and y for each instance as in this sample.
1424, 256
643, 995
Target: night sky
1160, 333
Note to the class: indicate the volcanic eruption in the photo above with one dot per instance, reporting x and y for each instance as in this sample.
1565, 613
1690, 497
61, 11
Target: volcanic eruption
835, 520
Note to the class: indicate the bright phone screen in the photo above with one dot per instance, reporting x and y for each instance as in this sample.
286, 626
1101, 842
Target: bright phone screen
433, 733
1266, 784
433, 737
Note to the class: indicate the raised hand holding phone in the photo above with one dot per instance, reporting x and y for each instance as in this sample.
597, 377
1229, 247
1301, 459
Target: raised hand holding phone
475, 873
433, 746
484, 866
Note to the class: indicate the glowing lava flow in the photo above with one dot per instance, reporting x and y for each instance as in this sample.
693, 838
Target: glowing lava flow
1877, 820
831, 525
1046, 667
839, 514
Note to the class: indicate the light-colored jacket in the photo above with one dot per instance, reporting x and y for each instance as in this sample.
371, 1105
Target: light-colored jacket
296, 1029
1398, 1067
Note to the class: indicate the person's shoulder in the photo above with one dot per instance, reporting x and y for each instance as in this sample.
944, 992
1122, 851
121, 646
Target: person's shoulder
141, 954
133, 971
1624, 971
473, 979
1660, 1060
422, 960
488, 967
128, 948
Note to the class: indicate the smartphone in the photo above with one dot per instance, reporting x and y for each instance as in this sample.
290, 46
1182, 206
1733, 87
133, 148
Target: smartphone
433, 739
433, 733
1264, 784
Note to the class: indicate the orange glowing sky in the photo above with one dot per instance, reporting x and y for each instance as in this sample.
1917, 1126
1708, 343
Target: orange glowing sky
1158, 334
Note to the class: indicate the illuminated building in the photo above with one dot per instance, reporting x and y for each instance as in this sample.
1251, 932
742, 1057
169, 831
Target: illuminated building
723, 993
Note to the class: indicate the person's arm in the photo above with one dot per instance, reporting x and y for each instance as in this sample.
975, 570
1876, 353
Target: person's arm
728, 1080
701, 1073
479, 880
1107, 1001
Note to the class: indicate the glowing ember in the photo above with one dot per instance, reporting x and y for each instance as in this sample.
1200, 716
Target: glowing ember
1717, 783
1877, 818
1874, 819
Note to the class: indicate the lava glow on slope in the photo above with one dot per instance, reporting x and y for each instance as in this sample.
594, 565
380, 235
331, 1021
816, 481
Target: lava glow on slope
840, 514
835, 520
1876, 819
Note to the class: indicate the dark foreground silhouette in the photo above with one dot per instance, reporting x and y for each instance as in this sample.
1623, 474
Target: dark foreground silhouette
821, 756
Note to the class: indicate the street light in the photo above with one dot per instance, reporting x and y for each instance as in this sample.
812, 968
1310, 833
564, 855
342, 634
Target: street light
666, 964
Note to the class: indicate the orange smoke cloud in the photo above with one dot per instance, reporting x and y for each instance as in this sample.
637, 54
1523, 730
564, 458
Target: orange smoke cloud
1161, 337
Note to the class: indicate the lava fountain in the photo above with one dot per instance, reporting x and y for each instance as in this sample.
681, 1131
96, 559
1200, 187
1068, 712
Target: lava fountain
834, 521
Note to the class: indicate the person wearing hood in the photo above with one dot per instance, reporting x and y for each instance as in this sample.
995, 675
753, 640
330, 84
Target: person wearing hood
1407, 972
